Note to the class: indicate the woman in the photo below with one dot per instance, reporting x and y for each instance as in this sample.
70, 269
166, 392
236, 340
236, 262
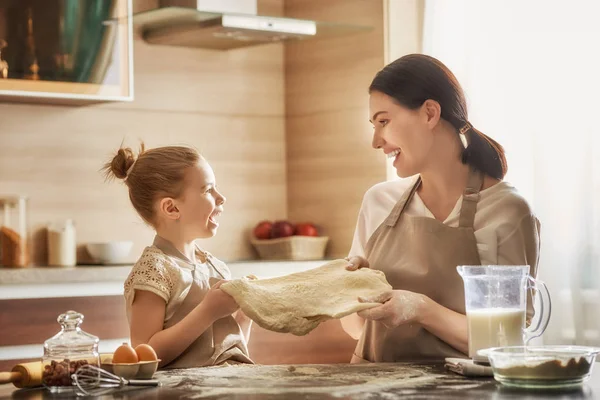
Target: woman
453, 210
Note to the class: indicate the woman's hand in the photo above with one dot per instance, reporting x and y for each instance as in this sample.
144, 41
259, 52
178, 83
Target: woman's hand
356, 262
399, 307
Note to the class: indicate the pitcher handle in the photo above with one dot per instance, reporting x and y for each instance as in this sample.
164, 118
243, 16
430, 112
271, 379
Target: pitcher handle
545, 309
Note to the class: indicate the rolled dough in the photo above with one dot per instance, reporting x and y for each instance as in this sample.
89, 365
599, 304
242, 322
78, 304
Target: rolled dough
299, 302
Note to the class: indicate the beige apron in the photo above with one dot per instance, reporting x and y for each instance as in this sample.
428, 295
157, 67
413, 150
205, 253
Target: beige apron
223, 341
420, 254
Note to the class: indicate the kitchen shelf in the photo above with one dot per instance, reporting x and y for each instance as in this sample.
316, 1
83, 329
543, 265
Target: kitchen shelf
104, 75
52, 92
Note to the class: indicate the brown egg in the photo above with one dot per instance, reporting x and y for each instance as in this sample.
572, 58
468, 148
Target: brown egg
145, 352
125, 354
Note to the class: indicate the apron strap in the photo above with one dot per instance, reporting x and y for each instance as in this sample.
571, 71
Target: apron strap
470, 198
400, 206
207, 258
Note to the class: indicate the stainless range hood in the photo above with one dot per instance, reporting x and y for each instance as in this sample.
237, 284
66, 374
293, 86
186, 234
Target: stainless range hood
227, 24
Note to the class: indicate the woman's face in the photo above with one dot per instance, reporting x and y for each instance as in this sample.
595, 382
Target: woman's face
403, 134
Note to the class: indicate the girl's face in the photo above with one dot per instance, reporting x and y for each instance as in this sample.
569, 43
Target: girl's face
403, 134
200, 204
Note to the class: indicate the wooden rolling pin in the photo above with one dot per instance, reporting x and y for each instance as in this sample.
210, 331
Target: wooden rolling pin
30, 374
24, 375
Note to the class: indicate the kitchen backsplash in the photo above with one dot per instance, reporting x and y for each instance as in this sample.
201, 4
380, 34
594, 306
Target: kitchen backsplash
232, 107
229, 105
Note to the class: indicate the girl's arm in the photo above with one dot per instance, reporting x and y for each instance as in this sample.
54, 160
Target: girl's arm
147, 318
353, 325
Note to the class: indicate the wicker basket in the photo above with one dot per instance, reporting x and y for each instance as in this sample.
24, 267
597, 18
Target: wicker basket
291, 248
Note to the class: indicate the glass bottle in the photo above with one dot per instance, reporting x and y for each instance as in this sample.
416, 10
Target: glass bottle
66, 351
31, 63
3, 63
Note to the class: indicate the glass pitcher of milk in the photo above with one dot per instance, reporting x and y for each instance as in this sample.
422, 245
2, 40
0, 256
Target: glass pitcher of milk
496, 306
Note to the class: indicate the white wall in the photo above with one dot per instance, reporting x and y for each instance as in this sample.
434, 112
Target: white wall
530, 69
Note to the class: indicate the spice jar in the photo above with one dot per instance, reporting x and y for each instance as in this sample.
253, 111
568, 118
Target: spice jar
14, 232
66, 352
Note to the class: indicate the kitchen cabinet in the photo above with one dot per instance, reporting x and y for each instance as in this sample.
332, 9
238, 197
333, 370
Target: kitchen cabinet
66, 51
31, 321
32, 298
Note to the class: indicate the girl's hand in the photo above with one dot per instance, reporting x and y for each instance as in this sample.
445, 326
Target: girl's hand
219, 304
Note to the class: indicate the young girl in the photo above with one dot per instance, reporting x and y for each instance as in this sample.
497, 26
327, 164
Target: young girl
172, 294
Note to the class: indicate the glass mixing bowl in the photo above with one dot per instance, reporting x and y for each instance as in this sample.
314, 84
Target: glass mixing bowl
542, 366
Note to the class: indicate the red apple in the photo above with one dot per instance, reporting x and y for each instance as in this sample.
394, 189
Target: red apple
263, 230
282, 229
306, 229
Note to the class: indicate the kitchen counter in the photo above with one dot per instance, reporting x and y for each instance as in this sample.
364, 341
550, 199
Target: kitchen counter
326, 381
102, 280
32, 299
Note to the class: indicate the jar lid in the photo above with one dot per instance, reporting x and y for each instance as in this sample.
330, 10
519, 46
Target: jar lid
71, 337
12, 200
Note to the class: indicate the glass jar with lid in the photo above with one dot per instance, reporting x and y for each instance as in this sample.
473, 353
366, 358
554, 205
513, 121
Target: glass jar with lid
14, 232
66, 352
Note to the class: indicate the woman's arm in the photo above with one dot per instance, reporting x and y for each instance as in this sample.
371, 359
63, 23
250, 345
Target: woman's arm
446, 324
147, 317
403, 307
521, 246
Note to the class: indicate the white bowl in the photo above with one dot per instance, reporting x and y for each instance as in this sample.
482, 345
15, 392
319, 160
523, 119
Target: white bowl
109, 252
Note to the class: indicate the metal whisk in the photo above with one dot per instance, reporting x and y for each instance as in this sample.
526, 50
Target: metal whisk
93, 381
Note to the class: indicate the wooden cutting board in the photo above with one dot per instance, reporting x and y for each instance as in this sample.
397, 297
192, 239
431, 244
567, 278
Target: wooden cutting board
337, 379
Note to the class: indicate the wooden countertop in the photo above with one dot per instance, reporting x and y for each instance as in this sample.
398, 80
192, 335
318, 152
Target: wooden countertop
330, 381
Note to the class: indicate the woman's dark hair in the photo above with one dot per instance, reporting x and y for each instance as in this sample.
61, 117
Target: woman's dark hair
415, 78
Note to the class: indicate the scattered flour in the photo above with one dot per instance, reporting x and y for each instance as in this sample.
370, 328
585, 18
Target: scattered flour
341, 380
